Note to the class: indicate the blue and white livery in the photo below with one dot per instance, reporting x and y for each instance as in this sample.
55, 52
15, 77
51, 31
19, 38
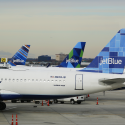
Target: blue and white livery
112, 57
20, 57
104, 73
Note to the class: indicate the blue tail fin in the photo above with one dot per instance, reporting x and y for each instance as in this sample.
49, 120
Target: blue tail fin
20, 57
112, 57
73, 60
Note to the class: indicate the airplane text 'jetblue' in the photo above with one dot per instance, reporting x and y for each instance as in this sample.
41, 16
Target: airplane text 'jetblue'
112, 57
104, 73
20, 57
73, 60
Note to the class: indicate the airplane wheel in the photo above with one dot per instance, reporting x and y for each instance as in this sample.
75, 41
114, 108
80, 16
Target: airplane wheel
72, 101
2, 106
55, 101
13, 101
22, 101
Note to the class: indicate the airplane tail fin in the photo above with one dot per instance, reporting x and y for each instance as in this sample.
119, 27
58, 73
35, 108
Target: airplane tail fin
112, 57
73, 60
20, 57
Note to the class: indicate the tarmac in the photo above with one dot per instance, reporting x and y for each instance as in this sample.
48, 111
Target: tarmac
110, 111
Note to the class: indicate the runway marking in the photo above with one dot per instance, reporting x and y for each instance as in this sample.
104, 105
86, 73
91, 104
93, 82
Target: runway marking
11, 108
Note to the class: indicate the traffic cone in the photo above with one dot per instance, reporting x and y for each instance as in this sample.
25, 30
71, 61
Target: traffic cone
48, 103
88, 95
42, 102
97, 101
16, 120
12, 120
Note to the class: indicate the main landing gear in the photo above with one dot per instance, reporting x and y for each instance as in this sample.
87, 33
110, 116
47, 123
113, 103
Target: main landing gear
2, 105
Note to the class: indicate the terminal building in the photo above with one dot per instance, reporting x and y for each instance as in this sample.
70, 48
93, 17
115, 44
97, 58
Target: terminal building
44, 58
60, 57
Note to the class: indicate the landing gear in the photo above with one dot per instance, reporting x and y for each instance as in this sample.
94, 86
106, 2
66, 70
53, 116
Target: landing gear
2, 105
55, 101
72, 101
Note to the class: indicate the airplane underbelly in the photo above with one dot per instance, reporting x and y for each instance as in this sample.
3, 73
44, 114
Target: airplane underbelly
8, 95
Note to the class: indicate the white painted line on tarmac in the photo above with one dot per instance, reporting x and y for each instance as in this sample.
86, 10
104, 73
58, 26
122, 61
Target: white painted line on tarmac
11, 108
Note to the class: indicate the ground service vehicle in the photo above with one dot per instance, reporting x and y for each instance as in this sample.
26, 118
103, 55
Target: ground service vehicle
72, 100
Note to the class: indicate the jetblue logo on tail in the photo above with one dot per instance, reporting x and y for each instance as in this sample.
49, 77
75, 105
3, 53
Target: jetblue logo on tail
72, 60
18, 60
111, 61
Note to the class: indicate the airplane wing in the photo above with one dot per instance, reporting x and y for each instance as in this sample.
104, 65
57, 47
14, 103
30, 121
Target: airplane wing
112, 81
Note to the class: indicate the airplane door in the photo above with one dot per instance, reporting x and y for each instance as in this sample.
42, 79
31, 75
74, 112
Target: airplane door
79, 82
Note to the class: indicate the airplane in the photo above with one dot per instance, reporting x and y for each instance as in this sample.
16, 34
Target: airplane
105, 72
73, 60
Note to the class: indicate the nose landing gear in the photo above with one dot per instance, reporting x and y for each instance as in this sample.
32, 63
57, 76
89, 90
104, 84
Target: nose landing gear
2, 106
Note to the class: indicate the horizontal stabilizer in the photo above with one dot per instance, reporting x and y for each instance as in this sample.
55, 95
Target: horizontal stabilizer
112, 81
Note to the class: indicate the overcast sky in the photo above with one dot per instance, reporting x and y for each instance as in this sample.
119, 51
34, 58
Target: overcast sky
54, 26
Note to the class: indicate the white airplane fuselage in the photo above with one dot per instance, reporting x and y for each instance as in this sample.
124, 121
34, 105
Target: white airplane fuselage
49, 83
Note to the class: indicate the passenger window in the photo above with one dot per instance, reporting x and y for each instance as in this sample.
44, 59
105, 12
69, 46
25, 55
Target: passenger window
40, 80
9, 80
48, 80
17, 80
1, 79
5, 79
21, 80
55, 80
28, 80
36, 80
63, 80
44, 80
24, 80
59, 80
51, 80
13, 80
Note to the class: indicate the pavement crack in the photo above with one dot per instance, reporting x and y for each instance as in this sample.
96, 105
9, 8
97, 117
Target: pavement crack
6, 117
63, 116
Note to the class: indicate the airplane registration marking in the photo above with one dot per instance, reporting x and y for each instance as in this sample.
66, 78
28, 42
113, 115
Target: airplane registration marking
57, 76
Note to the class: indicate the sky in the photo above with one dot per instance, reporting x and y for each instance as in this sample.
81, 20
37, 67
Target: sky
55, 26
